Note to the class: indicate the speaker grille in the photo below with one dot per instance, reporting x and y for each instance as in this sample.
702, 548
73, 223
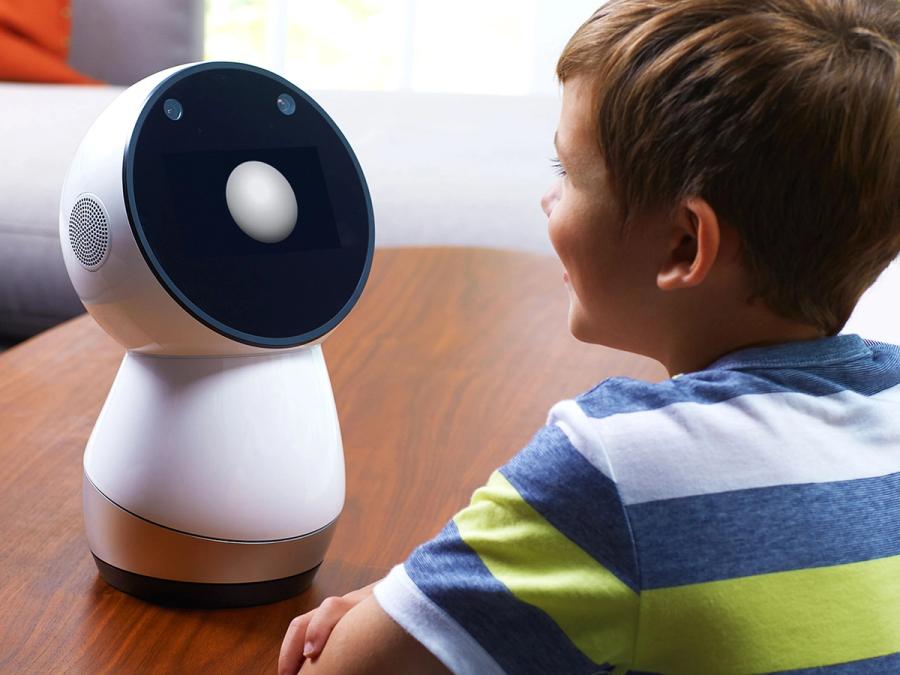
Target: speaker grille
89, 231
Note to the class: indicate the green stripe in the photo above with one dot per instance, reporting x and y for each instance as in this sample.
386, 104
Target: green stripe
544, 568
769, 622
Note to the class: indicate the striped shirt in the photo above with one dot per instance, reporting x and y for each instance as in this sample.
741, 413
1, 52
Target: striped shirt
744, 518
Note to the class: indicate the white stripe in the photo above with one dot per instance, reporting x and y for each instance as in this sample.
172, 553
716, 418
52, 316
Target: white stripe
440, 633
569, 417
754, 440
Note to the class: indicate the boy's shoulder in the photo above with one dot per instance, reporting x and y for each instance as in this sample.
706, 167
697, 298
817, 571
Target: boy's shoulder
832, 365
762, 416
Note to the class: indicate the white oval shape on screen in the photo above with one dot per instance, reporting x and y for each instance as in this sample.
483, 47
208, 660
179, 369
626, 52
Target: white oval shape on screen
261, 201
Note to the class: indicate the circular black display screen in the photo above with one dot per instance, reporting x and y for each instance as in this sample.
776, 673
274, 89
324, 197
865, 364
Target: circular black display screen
248, 204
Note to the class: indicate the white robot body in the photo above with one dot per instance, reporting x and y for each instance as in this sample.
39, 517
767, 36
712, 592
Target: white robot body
204, 457
214, 475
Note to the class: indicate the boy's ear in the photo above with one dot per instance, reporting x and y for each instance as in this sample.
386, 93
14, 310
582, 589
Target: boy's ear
692, 246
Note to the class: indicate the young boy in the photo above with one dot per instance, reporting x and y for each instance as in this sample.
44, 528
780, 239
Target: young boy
731, 187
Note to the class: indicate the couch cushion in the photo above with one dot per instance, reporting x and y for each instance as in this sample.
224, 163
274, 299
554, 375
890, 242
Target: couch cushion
122, 42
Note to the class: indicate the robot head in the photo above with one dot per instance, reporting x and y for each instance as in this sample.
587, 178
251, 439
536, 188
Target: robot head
215, 208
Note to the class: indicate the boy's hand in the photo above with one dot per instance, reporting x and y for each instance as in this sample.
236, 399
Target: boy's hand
307, 634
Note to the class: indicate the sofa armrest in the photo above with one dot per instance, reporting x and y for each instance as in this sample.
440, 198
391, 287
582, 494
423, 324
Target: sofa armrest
41, 125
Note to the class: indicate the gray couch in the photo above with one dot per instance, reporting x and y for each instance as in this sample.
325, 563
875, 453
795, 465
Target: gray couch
442, 169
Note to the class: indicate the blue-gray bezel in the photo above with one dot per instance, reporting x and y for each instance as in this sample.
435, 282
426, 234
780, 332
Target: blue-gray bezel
146, 250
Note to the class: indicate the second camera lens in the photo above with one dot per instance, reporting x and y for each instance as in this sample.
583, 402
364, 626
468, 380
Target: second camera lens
286, 104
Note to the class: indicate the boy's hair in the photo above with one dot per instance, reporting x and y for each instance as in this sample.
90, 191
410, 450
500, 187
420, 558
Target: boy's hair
784, 115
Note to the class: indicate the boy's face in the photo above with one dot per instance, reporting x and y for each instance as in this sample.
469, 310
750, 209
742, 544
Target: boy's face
610, 281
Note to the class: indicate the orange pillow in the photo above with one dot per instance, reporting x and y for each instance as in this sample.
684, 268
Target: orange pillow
34, 42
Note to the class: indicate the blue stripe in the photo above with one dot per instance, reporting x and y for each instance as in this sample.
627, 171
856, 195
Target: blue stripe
569, 492
831, 349
880, 665
866, 373
740, 533
521, 637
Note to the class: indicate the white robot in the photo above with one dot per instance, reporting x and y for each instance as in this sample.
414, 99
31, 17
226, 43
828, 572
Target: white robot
217, 224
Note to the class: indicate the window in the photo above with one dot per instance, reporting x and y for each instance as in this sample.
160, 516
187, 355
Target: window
464, 46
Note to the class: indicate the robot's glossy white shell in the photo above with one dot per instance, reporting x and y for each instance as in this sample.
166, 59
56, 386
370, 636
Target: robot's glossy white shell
243, 449
123, 294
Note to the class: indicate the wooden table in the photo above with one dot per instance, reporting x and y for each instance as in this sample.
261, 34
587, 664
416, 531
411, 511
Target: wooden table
443, 371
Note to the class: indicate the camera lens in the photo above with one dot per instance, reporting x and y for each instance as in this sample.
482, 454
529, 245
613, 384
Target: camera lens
173, 109
286, 104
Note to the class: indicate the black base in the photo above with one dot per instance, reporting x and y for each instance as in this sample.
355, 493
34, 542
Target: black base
204, 596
